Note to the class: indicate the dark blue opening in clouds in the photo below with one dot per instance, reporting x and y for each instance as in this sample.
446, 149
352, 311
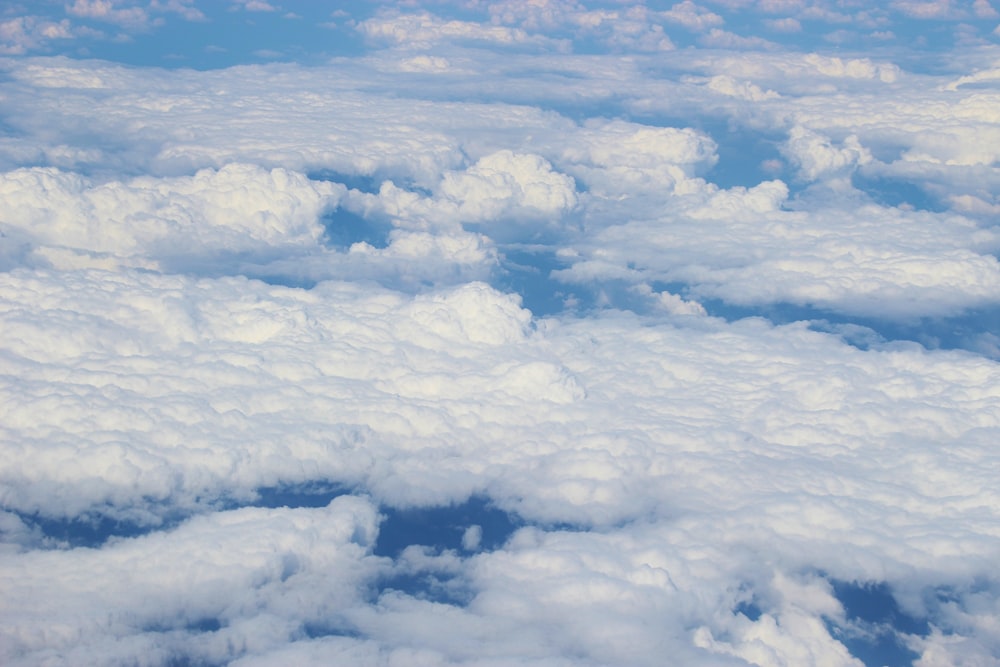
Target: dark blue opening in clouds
443, 527
896, 192
969, 330
311, 494
92, 529
344, 228
527, 271
734, 145
749, 609
363, 183
439, 529
876, 624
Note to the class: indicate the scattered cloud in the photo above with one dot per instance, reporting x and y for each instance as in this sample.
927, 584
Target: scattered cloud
717, 38
422, 30
29, 33
132, 17
255, 5
789, 25
693, 17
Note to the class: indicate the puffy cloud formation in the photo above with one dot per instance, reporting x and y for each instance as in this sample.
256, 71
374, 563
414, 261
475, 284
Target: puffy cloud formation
503, 183
520, 333
816, 157
239, 209
616, 156
729, 440
867, 260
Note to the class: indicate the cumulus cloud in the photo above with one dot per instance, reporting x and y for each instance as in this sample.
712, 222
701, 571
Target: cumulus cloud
614, 157
856, 68
260, 576
742, 89
836, 261
503, 183
816, 156
163, 223
505, 194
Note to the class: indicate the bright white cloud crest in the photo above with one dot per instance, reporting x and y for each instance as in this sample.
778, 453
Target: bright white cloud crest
534, 333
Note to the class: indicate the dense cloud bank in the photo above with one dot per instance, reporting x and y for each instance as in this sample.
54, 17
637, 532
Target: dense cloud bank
530, 334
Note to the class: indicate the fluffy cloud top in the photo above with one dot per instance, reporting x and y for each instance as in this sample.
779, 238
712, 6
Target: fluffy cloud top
816, 157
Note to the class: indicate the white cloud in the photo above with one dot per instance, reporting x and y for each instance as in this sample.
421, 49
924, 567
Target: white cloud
856, 68
692, 16
506, 194
817, 157
984, 9
425, 64
184, 8
422, 30
28, 33
164, 223
107, 10
472, 537
255, 5
634, 28
263, 574
537, 14
926, 9
992, 74
506, 182
794, 634
613, 157
742, 89
784, 25
412, 259
716, 38
864, 259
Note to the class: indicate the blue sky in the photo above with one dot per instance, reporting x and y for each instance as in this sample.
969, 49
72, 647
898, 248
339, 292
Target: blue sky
526, 332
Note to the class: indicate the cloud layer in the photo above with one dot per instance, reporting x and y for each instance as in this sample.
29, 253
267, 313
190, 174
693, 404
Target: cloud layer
681, 324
